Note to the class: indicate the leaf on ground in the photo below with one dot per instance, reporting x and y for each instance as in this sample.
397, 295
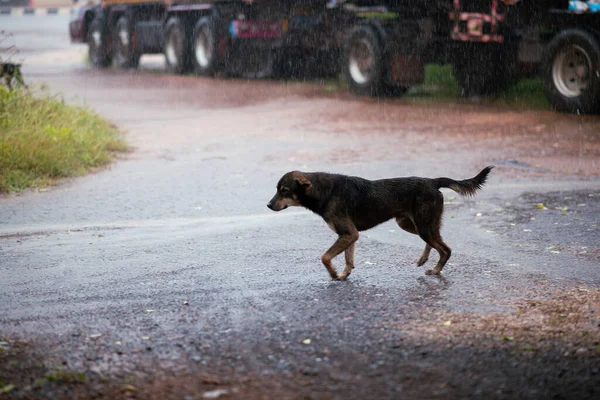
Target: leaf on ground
148, 311
306, 341
541, 206
528, 347
95, 335
215, 394
508, 338
447, 323
7, 388
129, 388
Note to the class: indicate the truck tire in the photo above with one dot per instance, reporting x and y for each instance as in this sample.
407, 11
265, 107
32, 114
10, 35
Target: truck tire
97, 47
124, 53
484, 69
363, 62
205, 57
571, 72
177, 48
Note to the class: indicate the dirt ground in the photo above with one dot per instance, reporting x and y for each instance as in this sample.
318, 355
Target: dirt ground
436, 355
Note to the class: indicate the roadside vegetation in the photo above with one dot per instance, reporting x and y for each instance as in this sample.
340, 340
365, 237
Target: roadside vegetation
439, 83
43, 140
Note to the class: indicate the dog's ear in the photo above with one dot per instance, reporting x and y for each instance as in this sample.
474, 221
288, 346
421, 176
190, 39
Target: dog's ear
303, 181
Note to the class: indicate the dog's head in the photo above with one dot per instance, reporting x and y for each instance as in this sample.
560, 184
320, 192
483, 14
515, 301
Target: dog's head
290, 188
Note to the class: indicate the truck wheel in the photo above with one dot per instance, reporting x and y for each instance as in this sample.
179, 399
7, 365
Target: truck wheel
483, 70
571, 72
125, 55
177, 48
363, 59
97, 49
204, 47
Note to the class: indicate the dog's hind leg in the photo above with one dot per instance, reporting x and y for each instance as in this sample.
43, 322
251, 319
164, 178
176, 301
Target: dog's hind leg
425, 256
428, 221
444, 251
349, 253
409, 226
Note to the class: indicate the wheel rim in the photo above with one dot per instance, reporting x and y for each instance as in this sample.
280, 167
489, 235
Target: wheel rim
123, 35
97, 38
204, 47
94, 44
173, 43
571, 71
361, 61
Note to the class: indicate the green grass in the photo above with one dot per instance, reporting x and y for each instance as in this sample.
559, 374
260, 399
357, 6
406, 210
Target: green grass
441, 78
42, 140
439, 83
525, 93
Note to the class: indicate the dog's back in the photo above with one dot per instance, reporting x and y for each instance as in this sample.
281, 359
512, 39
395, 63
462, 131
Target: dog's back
369, 203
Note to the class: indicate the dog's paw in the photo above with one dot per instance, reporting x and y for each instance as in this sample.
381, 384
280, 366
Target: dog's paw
432, 272
421, 261
342, 277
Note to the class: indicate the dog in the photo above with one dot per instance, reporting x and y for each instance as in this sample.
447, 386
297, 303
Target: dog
350, 204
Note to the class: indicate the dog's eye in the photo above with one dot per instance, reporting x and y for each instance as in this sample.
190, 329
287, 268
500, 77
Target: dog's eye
284, 190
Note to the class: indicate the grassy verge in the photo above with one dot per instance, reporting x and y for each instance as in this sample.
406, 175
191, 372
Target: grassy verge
42, 140
439, 83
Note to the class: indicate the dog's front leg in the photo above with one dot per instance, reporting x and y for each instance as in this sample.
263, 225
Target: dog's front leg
344, 241
349, 253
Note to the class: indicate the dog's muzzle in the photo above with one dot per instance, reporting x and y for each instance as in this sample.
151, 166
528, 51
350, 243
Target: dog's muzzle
273, 204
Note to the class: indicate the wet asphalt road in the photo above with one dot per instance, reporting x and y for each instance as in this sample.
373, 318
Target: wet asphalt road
183, 218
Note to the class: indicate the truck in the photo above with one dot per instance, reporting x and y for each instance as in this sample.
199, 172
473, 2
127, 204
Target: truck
232, 37
380, 47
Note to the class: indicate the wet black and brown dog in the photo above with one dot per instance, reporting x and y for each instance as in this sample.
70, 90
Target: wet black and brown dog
350, 204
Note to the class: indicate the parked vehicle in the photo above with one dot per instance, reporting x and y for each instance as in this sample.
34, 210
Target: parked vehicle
82, 14
490, 44
380, 46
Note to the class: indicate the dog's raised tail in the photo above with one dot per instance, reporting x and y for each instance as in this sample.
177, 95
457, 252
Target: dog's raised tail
467, 187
